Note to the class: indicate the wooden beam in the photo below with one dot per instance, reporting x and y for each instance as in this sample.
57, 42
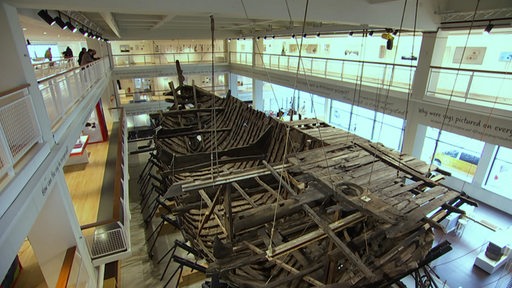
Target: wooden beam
242, 192
228, 216
212, 209
65, 270
345, 250
281, 281
306, 239
285, 266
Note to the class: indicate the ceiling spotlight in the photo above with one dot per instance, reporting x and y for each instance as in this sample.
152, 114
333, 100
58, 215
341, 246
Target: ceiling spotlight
265, 37
395, 32
350, 33
305, 35
293, 36
244, 38
370, 33
318, 34
238, 38
61, 23
488, 28
273, 36
258, 37
106, 40
46, 17
83, 31
71, 27
229, 39
28, 42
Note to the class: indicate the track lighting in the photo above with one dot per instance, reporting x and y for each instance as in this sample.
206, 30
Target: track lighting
60, 22
71, 27
229, 39
46, 17
265, 37
488, 28
350, 33
258, 37
273, 36
389, 42
305, 35
293, 36
28, 42
370, 33
318, 34
83, 31
395, 32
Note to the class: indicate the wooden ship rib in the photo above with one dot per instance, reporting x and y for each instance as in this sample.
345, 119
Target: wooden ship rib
290, 204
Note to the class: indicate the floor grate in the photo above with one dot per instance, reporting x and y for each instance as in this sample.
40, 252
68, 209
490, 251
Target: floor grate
107, 243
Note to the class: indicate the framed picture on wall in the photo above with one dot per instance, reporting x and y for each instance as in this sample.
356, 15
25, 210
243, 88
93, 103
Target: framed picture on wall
472, 55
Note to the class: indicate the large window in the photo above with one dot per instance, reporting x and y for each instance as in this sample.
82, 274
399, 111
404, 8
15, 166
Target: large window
374, 126
456, 154
499, 178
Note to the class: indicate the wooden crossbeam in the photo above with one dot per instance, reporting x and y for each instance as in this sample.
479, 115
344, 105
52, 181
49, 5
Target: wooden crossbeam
285, 266
211, 210
323, 225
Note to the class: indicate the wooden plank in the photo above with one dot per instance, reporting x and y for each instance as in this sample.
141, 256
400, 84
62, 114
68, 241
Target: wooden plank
316, 235
65, 270
281, 281
416, 215
212, 209
346, 251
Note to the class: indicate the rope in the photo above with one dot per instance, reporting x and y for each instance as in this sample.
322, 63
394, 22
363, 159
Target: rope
453, 89
389, 88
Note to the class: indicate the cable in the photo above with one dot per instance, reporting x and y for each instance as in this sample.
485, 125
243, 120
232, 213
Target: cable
462, 256
453, 89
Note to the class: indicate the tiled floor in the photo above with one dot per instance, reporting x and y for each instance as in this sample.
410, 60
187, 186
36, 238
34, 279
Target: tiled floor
456, 268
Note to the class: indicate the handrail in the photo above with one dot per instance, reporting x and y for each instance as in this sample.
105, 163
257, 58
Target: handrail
167, 53
63, 72
469, 70
65, 270
118, 174
97, 223
15, 89
334, 59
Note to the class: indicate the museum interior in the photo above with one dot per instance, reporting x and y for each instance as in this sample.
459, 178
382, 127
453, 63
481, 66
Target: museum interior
256, 143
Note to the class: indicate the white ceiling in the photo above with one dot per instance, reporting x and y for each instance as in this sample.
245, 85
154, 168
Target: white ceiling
173, 19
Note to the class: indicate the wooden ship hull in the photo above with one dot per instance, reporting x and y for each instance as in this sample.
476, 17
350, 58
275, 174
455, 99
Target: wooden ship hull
291, 204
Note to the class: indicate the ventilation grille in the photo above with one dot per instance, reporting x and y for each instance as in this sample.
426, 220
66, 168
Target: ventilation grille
107, 243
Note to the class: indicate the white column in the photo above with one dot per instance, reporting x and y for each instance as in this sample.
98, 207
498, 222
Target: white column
233, 78
257, 94
55, 230
419, 87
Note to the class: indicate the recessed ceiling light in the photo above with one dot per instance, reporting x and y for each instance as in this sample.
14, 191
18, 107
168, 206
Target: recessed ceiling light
24, 29
45, 33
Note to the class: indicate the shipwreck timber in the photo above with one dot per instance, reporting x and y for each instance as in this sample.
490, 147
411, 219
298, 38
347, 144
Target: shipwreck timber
289, 204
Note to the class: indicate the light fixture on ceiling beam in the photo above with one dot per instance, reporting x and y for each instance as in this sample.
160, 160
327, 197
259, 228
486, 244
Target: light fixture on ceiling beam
84, 32
60, 22
370, 33
70, 26
318, 34
351, 33
488, 28
46, 17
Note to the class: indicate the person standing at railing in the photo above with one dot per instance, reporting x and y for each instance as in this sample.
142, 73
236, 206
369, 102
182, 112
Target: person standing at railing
48, 55
87, 57
80, 55
68, 55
